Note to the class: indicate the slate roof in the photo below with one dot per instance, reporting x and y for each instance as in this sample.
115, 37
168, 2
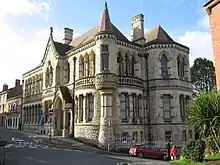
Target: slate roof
159, 36
62, 48
66, 94
14, 92
90, 35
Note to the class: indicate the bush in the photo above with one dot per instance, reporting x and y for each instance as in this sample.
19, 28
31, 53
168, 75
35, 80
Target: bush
194, 150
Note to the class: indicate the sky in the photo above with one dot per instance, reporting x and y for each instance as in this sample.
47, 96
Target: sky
25, 26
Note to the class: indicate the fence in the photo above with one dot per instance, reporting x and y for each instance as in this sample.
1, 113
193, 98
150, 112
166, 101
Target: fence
127, 142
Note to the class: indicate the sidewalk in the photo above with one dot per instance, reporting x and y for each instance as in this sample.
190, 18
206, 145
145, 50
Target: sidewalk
68, 143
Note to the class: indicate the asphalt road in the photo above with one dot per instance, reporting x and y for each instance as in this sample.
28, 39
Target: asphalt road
21, 150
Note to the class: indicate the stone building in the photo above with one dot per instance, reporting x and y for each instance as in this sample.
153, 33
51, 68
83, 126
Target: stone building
213, 9
139, 87
14, 106
3, 105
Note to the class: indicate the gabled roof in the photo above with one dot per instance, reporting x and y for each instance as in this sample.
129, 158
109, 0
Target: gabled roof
90, 35
62, 48
66, 94
14, 92
158, 34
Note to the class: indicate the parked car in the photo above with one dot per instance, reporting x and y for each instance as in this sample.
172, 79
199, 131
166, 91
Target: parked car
143, 151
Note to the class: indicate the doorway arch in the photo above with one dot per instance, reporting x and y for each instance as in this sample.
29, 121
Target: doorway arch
58, 122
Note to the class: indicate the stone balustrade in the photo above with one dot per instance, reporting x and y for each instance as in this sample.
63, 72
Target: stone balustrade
87, 81
131, 81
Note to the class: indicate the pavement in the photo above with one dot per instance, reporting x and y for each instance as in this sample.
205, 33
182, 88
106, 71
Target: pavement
23, 148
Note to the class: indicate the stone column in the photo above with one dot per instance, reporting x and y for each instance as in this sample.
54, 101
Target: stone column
26, 121
36, 115
65, 123
84, 108
32, 115
106, 134
131, 108
12, 122
76, 109
96, 115
79, 109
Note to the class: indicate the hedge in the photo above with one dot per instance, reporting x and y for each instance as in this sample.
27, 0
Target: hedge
194, 150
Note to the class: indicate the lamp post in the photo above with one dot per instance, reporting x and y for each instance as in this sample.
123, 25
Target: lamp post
73, 97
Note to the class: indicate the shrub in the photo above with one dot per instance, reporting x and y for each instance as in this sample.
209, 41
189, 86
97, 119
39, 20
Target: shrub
194, 150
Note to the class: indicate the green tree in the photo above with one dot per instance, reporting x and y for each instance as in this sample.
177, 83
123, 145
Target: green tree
204, 115
203, 75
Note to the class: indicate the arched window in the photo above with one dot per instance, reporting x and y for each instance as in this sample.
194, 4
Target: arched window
51, 76
33, 85
30, 86
164, 66
120, 64
81, 67
47, 76
181, 67
58, 74
132, 66
66, 72
127, 63
86, 65
92, 64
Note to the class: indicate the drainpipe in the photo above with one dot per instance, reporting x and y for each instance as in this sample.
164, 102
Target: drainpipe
73, 97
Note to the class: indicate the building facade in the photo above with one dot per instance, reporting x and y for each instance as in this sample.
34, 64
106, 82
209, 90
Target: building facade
138, 88
14, 106
213, 9
3, 105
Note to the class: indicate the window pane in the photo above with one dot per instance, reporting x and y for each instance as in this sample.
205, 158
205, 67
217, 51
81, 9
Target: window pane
104, 48
91, 106
123, 106
168, 136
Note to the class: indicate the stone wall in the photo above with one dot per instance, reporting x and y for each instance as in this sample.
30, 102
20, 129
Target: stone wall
87, 133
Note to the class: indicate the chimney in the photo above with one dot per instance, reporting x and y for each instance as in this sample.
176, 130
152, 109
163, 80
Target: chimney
68, 35
17, 83
137, 28
5, 87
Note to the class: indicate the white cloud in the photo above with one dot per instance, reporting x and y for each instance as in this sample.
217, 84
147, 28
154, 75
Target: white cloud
20, 52
204, 22
18, 7
200, 44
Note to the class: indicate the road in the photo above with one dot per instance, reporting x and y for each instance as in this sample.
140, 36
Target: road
21, 150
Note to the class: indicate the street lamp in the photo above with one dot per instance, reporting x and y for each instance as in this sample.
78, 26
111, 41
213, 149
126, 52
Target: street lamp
73, 97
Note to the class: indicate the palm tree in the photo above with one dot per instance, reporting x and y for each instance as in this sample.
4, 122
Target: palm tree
204, 115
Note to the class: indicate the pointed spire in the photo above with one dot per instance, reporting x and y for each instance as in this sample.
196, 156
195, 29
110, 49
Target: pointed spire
51, 31
106, 25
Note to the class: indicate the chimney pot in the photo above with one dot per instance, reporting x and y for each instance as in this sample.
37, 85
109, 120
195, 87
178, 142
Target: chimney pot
5, 87
68, 35
17, 82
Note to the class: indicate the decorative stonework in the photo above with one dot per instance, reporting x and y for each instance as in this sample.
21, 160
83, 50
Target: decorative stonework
131, 81
106, 80
85, 82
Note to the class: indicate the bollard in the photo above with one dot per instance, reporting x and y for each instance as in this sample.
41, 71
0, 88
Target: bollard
2, 156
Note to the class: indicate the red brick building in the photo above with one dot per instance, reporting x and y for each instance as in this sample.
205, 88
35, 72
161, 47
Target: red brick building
213, 9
